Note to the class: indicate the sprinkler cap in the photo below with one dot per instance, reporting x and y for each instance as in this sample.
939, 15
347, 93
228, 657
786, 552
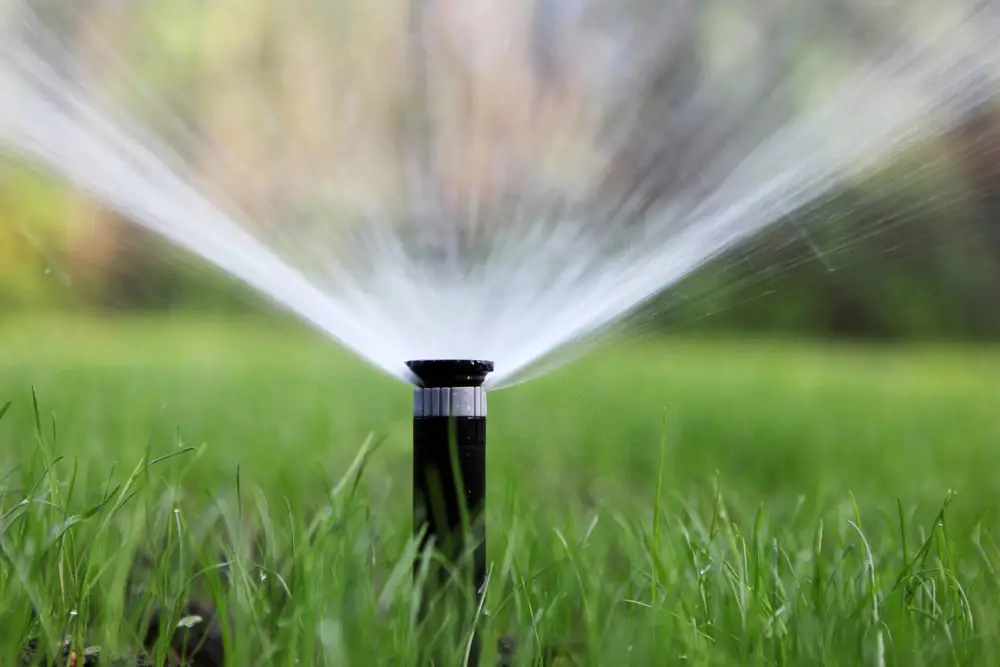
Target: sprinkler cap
450, 372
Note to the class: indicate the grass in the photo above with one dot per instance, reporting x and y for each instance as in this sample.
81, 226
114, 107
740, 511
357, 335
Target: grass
675, 502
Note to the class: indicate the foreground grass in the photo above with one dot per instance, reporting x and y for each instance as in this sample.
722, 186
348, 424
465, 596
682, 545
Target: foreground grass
685, 503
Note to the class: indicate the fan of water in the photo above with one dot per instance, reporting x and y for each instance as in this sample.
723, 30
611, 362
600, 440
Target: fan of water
496, 179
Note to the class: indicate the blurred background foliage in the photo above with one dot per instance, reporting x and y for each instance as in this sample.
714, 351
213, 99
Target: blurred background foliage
912, 252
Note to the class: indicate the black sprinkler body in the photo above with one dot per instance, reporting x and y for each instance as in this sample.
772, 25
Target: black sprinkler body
449, 461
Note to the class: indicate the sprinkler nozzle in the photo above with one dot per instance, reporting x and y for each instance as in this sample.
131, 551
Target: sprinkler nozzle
450, 372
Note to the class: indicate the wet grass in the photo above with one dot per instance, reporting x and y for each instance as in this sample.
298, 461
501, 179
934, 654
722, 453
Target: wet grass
673, 502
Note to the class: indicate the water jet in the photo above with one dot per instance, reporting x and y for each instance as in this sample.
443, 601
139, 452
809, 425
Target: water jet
566, 178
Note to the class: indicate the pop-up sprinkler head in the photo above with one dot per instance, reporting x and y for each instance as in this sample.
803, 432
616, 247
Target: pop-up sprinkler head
449, 461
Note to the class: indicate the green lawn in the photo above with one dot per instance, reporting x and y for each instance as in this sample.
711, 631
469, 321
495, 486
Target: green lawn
790, 474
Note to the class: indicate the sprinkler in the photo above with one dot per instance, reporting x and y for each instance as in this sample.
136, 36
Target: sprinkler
449, 462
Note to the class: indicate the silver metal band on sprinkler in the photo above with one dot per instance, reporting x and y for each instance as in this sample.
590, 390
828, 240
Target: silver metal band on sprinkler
449, 402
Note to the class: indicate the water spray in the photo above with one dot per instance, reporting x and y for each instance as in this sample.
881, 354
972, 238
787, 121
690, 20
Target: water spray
549, 213
449, 464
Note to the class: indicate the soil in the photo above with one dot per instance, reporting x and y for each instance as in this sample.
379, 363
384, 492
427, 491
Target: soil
197, 642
